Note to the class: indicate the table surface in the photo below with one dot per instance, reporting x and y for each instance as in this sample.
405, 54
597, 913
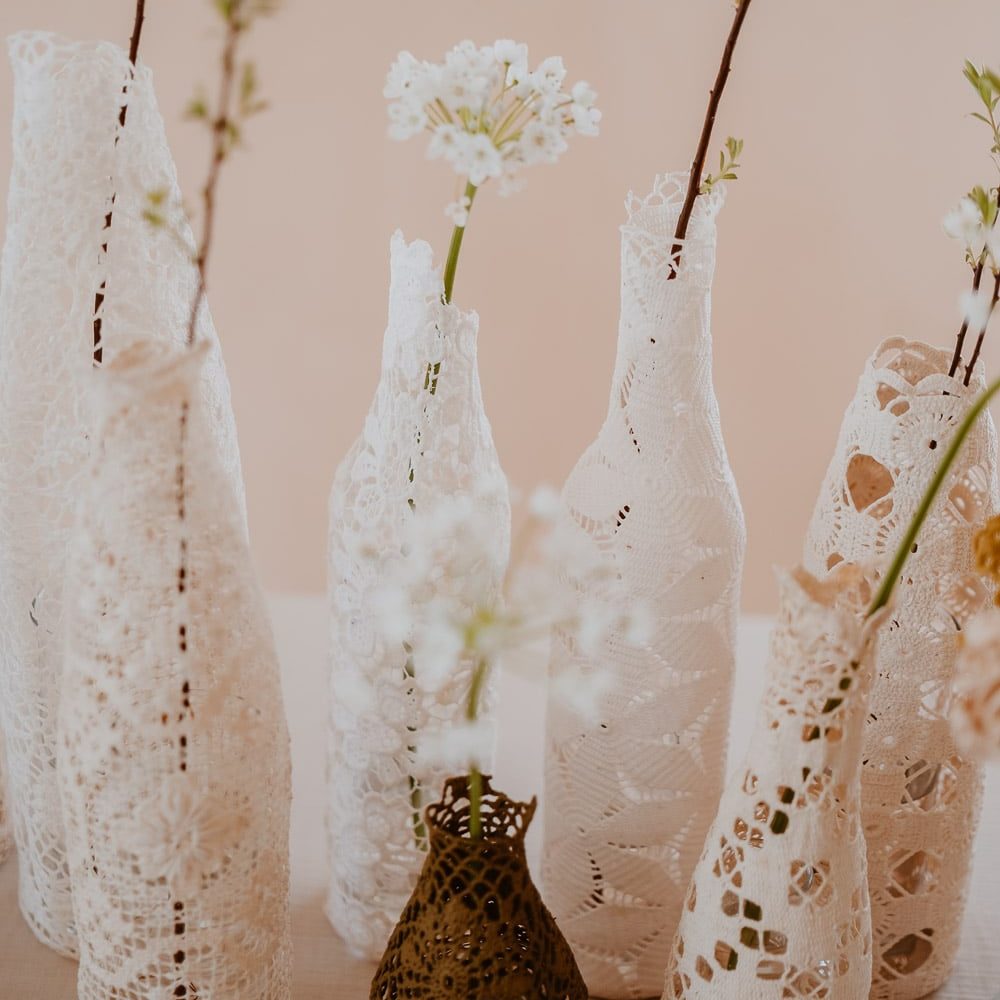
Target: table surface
323, 967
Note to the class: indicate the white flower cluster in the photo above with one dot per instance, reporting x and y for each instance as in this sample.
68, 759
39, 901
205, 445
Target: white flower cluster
488, 114
437, 600
967, 224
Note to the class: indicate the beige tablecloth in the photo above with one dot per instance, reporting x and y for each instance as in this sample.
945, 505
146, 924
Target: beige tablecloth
323, 969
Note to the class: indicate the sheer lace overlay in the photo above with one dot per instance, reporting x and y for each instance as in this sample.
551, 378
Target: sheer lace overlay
630, 797
921, 797
66, 167
778, 906
173, 747
426, 436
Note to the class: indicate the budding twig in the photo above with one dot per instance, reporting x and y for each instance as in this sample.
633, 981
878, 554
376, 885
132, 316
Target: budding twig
982, 333
698, 166
133, 55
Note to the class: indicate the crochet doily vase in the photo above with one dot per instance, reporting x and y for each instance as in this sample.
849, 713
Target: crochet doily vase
778, 906
173, 746
921, 796
426, 438
630, 794
66, 279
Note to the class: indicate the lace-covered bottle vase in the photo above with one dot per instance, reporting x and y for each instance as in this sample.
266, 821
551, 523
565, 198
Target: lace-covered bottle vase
70, 156
630, 796
921, 796
426, 437
778, 906
173, 746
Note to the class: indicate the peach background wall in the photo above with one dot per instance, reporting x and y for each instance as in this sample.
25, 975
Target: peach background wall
852, 113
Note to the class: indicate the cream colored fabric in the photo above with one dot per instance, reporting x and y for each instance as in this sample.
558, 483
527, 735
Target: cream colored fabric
426, 436
631, 793
921, 796
173, 747
778, 906
323, 968
70, 158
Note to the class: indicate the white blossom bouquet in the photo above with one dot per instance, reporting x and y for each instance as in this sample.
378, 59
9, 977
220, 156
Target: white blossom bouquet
488, 115
437, 600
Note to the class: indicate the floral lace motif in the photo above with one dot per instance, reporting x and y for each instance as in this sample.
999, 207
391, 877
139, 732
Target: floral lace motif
66, 167
426, 436
173, 757
630, 797
778, 906
921, 797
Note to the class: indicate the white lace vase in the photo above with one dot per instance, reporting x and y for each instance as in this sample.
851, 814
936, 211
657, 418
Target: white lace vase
778, 906
921, 796
173, 747
630, 797
426, 437
66, 167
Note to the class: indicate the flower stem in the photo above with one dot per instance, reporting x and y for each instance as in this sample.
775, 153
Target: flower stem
884, 594
982, 333
456, 246
479, 675
698, 166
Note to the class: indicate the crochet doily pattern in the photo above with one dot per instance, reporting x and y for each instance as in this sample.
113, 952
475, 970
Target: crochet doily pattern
778, 906
630, 797
921, 797
72, 163
426, 437
173, 755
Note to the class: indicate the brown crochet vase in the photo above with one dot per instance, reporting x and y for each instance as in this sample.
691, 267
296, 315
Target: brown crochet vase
475, 927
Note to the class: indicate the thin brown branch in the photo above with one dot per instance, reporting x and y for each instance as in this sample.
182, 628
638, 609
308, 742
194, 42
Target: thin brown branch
977, 280
133, 55
982, 333
698, 166
221, 138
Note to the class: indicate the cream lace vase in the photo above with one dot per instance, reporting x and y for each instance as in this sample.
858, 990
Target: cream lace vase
921, 796
778, 906
426, 437
630, 796
66, 166
173, 746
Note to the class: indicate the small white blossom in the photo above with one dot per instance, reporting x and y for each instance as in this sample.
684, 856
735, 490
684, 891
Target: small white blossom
975, 307
488, 113
965, 224
460, 625
458, 211
467, 744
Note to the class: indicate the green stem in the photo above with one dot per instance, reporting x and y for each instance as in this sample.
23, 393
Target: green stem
884, 594
456, 246
479, 675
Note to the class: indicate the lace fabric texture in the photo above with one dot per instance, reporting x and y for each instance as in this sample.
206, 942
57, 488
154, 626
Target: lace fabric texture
629, 798
426, 437
921, 797
67, 166
778, 906
173, 747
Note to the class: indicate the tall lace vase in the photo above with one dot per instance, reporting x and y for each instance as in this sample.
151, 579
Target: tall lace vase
921, 797
426, 437
778, 906
66, 167
173, 747
630, 796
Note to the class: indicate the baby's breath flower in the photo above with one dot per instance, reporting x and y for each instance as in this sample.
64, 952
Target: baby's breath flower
487, 112
458, 211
